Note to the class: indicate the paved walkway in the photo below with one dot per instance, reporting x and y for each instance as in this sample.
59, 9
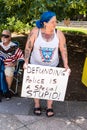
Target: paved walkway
17, 114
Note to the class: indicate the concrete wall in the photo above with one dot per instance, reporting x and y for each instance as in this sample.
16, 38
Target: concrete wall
74, 24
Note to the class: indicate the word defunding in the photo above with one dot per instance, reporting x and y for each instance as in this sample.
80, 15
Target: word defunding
39, 70
44, 82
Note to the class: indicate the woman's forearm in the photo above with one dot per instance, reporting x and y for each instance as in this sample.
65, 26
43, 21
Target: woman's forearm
64, 55
27, 55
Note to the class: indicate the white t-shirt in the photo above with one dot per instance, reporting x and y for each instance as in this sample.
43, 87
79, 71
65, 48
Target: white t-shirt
8, 46
45, 53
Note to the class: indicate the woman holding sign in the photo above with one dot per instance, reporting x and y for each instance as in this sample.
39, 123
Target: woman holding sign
42, 49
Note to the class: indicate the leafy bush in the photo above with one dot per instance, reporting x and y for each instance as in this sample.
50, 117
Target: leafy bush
2, 27
73, 30
15, 25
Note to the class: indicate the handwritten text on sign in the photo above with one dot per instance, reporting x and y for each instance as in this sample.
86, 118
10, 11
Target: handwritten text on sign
44, 82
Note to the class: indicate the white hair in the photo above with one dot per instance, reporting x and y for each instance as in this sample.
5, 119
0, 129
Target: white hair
7, 31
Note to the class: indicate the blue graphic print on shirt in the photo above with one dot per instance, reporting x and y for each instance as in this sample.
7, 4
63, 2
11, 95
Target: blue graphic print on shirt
46, 53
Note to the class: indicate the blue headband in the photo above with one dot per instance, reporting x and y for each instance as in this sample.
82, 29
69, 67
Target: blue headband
45, 17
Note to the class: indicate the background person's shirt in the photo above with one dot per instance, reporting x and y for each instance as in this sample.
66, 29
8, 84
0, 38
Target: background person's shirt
10, 53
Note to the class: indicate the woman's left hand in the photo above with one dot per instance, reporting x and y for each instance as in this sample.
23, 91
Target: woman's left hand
67, 68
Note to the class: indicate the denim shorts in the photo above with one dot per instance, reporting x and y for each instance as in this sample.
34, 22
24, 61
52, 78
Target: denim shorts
9, 71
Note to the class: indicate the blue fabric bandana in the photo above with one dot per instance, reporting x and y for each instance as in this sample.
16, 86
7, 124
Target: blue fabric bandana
45, 17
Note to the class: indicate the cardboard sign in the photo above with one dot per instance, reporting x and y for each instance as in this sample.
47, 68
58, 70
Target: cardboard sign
44, 82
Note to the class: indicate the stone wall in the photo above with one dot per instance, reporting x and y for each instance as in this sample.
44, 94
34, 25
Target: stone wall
73, 23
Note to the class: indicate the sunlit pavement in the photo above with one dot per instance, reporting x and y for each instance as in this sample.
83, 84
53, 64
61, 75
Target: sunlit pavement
17, 114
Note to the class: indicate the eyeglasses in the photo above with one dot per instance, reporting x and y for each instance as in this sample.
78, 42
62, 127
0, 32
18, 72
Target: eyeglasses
5, 36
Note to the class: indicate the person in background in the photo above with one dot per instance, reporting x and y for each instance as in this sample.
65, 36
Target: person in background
42, 47
9, 54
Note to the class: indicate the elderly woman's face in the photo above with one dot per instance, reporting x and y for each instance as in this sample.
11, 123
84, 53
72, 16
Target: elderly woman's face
5, 37
51, 23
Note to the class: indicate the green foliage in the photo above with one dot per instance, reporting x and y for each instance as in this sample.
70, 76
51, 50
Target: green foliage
21, 14
15, 25
73, 30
